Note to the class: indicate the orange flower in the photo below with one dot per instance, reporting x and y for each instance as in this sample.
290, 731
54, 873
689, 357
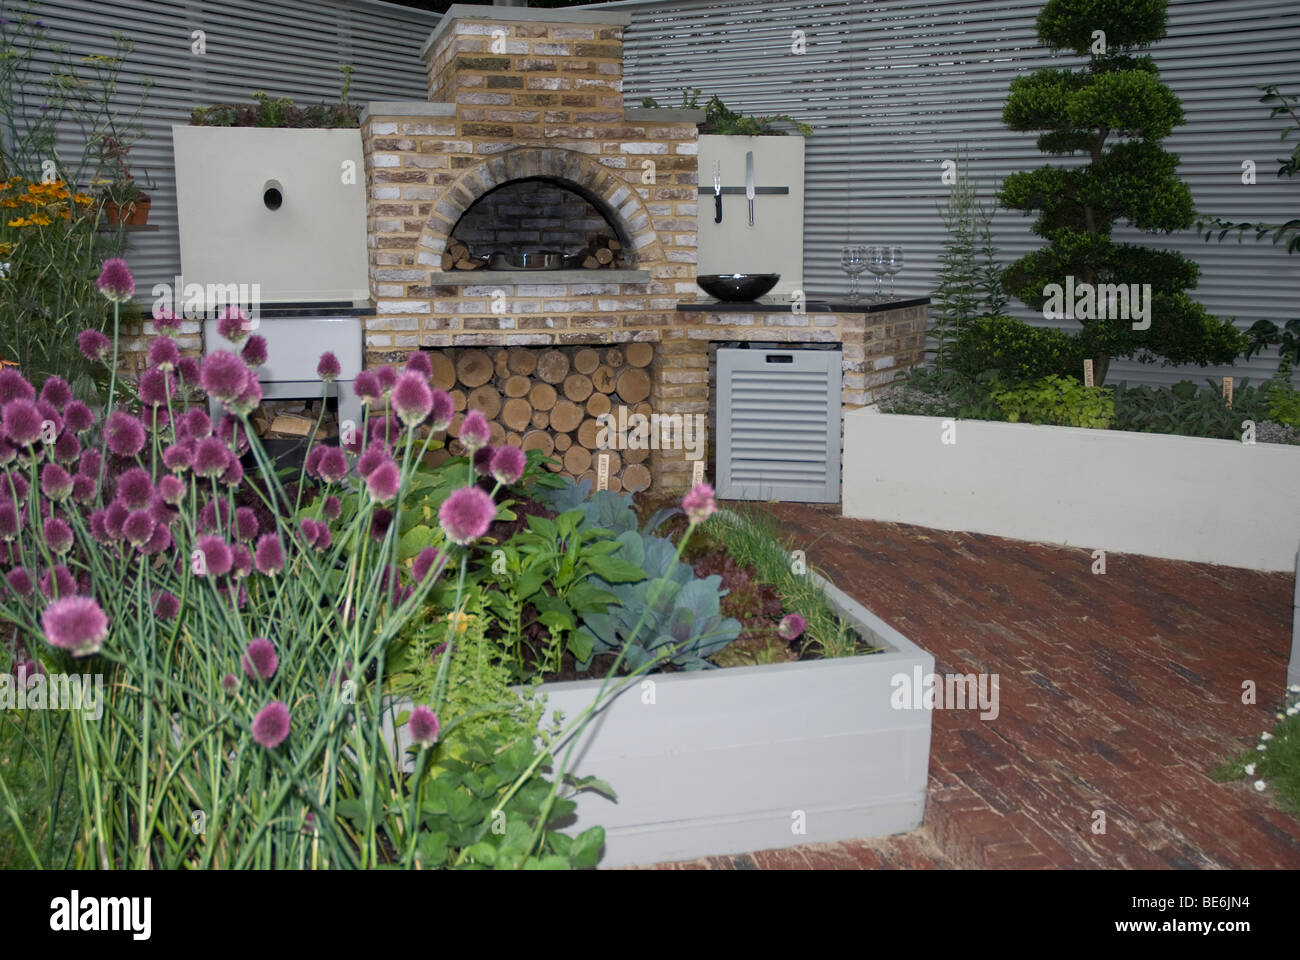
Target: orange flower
41, 219
9, 202
20, 222
83, 200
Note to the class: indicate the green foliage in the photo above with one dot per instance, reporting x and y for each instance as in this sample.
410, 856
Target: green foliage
1283, 399
1278, 765
1062, 401
1188, 410
270, 111
670, 615
1266, 333
1015, 350
719, 119
1115, 112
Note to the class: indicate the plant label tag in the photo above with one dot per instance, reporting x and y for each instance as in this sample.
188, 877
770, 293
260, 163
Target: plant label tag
1087, 373
1227, 391
602, 472
697, 473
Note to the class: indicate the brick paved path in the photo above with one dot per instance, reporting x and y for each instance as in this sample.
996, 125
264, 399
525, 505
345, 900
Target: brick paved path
1118, 693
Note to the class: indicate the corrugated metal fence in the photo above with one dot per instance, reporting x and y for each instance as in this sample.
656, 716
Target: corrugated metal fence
287, 48
894, 88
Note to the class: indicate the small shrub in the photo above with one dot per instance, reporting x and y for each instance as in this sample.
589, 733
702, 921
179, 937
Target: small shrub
1015, 350
1062, 401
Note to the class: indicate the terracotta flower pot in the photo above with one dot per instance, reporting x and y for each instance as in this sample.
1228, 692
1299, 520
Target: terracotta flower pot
139, 214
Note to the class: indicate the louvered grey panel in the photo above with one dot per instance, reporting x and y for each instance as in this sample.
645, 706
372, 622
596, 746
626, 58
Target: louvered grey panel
778, 425
287, 48
893, 88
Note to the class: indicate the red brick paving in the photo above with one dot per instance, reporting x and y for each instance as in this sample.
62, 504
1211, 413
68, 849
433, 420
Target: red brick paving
1118, 693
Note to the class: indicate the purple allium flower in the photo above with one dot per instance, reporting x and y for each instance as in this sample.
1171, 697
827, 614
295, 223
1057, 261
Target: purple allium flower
331, 508
418, 362
508, 464
375, 455
366, 386
114, 517
138, 527
58, 535
242, 564
428, 559
333, 465
20, 487
20, 581
89, 464
115, 280
352, 438
384, 429
55, 391
329, 368
246, 523
250, 397
699, 504
474, 431
94, 346
215, 557
482, 460
269, 555
134, 488
165, 319
312, 466
56, 484
27, 673
423, 726
260, 660
412, 398
166, 606
380, 521
229, 683
7, 451
67, 448
76, 624
316, 534
254, 352
466, 515
59, 579
791, 627
14, 386
234, 473
194, 424
443, 411
233, 434
387, 376
233, 324
77, 417
214, 515
179, 456
159, 540
271, 725
11, 520
171, 489
156, 387
188, 369
22, 422
99, 526
223, 375
83, 489
163, 353
211, 458
384, 481
124, 434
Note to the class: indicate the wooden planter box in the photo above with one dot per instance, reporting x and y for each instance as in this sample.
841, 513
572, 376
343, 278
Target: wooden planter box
1182, 498
729, 761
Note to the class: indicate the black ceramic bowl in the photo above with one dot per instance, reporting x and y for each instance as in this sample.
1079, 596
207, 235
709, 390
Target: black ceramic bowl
734, 287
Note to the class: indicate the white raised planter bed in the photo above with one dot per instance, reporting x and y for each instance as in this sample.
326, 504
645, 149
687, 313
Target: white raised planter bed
735, 760
1183, 498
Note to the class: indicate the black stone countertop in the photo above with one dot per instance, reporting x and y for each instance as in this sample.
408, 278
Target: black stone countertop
319, 308
781, 305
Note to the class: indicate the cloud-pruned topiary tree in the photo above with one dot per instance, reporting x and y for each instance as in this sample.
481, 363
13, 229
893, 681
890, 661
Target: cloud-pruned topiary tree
1115, 112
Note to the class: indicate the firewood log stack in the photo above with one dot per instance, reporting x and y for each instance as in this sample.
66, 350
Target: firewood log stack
548, 399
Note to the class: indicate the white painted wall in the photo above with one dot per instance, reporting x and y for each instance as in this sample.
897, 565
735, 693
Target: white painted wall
312, 248
1183, 498
774, 244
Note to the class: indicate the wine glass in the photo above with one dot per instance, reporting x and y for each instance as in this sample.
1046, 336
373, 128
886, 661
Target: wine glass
852, 262
894, 264
877, 263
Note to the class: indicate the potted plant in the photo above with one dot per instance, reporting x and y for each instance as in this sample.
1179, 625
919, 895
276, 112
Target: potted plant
122, 200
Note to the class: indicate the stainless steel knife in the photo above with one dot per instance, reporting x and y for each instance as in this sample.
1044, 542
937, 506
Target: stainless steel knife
749, 183
717, 191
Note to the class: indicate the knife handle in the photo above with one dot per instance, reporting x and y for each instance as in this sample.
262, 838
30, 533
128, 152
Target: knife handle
717, 208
